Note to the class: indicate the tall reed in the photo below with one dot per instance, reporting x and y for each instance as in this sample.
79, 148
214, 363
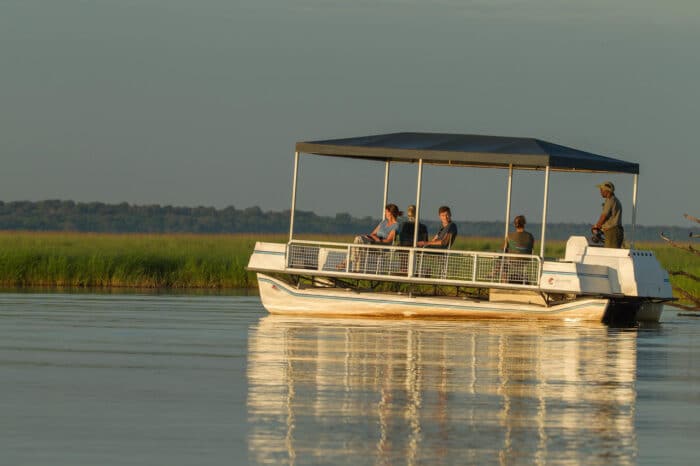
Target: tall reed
111, 260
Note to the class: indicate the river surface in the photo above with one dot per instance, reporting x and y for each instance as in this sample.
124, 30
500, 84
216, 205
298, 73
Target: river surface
109, 379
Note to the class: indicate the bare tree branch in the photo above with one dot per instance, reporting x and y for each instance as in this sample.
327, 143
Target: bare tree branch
687, 296
683, 273
691, 218
688, 248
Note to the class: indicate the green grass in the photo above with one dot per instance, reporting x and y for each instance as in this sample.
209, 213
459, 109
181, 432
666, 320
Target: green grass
196, 261
673, 260
106, 260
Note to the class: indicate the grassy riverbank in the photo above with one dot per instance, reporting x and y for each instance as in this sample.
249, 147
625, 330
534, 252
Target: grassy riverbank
189, 261
134, 260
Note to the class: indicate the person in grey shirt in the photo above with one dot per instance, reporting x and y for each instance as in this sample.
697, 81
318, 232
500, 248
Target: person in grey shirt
610, 220
519, 241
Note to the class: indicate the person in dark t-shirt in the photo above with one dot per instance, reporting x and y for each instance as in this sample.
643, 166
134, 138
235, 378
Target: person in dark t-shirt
447, 233
407, 229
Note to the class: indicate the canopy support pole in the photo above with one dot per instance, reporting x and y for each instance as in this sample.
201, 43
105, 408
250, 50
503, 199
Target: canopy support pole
386, 188
418, 195
544, 209
412, 254
294, 195
510, 187
634, 209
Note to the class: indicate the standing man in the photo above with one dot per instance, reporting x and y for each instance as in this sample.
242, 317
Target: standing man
447, 233
610, 220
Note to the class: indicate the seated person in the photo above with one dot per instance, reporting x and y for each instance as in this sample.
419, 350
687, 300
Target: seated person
385, 232
519, 241
447, 233
408, 228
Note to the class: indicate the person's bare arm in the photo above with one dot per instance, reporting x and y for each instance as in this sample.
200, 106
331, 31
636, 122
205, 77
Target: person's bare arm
389, 239
436, 241
446, 241
603, 217
420, 244
373, 235
607, 210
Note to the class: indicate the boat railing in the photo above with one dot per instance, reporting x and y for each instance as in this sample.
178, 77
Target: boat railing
420, 265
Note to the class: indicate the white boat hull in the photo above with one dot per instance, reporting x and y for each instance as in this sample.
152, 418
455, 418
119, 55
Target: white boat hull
279, 297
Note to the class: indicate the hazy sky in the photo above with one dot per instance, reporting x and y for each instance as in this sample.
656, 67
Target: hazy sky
188, 102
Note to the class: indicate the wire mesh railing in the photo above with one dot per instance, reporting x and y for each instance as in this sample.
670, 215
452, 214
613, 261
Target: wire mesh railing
421, 264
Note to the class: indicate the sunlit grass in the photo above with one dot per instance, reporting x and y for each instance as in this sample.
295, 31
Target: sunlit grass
111, 260
674, 260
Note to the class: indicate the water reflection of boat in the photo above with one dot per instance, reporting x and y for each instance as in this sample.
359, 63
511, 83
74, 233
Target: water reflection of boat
590, 283
399, 392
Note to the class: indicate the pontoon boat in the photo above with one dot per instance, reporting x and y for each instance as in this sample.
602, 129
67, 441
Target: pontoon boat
338, 279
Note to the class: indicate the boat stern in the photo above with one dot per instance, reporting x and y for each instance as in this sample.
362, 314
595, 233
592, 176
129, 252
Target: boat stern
267, 257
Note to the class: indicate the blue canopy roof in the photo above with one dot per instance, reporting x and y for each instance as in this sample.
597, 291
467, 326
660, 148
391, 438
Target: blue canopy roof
468, 150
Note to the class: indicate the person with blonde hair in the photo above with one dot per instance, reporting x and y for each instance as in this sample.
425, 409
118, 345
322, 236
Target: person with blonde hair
407, 229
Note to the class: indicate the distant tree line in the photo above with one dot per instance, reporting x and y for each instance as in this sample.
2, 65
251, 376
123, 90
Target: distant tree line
57, 215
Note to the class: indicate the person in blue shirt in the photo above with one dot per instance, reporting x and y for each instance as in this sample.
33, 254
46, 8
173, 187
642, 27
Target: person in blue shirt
384, 233
386, 230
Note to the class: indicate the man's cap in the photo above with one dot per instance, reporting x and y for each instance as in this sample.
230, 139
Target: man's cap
608, 186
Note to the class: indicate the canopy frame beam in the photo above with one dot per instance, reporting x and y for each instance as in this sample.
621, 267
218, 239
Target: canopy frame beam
634, 210
294, 195
418, 199
544, 210
508, 198
386, 188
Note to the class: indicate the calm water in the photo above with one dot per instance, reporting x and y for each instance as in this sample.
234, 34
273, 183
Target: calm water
160, 379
